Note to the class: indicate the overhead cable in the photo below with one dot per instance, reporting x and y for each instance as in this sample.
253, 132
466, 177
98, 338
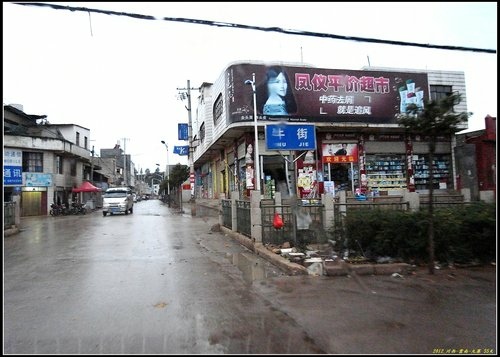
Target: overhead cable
258, 28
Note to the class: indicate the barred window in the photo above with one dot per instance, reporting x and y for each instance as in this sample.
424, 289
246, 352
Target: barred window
32, 161
59, 164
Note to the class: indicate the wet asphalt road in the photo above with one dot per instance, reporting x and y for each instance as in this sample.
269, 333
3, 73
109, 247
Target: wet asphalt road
156, 282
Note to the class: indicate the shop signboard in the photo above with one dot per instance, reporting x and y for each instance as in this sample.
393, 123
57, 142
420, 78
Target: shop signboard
12, 167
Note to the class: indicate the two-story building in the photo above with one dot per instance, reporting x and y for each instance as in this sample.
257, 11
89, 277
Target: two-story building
42, 162
352, 115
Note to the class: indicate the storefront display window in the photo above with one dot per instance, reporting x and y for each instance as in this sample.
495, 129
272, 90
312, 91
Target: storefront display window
441, 172
385, 172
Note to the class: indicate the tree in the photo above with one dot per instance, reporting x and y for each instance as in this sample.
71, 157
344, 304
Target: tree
436, 118
177, 176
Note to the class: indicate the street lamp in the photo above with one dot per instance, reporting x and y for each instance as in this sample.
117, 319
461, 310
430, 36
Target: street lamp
256, 149
168, 169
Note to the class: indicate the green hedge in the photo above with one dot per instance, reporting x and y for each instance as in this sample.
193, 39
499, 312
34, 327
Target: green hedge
462, 234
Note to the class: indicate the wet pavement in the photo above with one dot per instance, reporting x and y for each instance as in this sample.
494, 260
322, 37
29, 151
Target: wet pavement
159, 281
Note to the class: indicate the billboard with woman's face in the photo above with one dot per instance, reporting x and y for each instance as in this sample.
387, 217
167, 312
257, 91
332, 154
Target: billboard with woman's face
321, 95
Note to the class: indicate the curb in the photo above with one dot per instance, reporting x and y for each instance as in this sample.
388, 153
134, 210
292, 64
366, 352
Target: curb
259, 249
10, 231
342, 268
330, 268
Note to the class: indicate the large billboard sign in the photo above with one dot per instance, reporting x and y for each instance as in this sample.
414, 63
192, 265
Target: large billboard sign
308, 94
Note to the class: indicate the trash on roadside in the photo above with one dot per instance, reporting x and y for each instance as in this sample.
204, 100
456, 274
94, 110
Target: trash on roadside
397, 275
316, 268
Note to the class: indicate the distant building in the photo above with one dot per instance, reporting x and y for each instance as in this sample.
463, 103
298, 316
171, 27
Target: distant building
476, 162
43, 162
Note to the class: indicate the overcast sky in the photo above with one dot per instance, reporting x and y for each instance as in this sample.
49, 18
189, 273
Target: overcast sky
118, 76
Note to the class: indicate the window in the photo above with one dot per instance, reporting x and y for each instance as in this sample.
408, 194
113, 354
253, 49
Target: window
218, 109
58, 164
85, 142
440, 92
32, 161
202, 132
73, 167
77, 138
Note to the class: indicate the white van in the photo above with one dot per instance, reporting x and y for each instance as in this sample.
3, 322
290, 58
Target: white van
117, 200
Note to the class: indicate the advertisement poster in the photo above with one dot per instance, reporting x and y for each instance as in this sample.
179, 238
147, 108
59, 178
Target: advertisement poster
329, 187
249, 177
340, 153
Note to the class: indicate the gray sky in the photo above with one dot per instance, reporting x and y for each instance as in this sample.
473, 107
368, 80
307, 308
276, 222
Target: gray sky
118, 76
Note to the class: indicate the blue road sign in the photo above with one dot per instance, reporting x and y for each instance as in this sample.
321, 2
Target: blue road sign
290, 137
181, 150
183, 131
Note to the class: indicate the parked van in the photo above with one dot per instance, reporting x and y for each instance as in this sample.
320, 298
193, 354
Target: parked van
117, 200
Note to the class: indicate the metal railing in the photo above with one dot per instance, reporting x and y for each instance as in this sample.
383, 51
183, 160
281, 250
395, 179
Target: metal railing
303, 223
244, 224
227, 215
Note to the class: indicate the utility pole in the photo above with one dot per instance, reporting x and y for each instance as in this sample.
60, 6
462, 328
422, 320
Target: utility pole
92, 166
191, 149
124, 162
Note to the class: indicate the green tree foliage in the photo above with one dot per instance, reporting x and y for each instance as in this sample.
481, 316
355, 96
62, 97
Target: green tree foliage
177, 176
464, 233
436, 118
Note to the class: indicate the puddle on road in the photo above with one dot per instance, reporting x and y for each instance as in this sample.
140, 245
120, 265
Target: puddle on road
253, 267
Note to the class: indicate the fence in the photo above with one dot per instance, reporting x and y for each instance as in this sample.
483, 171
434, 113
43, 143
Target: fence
243, 223
243, 220
309, 220
227, 215
302, 223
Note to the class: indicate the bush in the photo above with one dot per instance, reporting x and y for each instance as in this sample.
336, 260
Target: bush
462, 234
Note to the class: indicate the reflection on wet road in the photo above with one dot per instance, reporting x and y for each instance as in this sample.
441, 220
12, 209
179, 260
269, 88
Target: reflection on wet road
162, 282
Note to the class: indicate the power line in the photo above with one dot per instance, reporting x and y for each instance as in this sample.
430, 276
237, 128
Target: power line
258, 28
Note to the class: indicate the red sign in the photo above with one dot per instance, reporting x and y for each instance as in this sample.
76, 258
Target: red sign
341, 153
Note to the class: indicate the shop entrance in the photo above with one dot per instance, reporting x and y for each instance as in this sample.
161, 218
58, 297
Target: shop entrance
344, 176
274, 175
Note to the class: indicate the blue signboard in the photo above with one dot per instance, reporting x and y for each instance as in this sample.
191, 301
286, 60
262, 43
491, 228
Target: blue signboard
183, 131
290, 137
12, 175
12, 167
181, 150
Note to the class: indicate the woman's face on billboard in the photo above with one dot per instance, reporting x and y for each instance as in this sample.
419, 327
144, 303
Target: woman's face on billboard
277, 85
